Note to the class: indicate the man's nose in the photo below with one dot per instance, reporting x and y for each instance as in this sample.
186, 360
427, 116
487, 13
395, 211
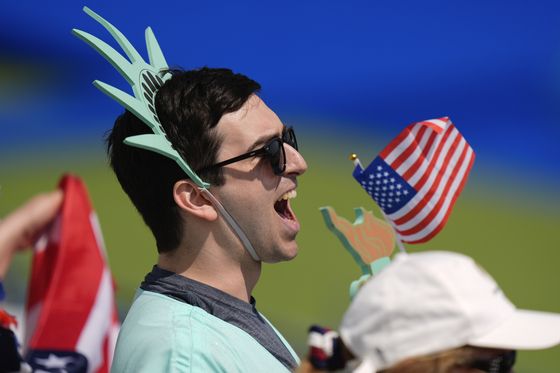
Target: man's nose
295, 164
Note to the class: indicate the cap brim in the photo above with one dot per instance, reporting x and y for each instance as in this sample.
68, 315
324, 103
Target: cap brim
524, 330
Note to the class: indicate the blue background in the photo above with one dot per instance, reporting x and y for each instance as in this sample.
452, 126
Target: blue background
353, 67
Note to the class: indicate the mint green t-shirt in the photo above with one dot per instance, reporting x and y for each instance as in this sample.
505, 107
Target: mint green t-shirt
161, 334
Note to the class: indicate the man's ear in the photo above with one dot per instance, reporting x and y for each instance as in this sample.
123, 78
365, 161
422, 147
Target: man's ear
189, 197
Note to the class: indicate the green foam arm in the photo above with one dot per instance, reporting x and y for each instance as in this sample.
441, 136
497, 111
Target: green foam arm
356, 285
158, 144
379, 264
157, 60
376, 266
137, 107
119, 37
123, 66
347, 245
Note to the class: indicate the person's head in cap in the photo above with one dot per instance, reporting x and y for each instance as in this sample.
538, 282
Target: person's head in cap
440, 312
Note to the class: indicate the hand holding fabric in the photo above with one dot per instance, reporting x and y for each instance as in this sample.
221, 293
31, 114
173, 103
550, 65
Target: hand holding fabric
20, 229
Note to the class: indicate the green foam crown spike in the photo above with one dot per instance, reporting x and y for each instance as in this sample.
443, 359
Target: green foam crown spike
145, 81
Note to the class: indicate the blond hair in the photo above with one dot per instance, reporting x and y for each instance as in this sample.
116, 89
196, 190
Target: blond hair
439, 362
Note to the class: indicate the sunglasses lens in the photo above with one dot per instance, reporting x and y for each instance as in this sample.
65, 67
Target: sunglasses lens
290, 138
276, 155
499, 364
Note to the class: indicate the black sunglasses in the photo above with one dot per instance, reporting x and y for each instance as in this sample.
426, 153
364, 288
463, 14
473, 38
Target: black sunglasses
274, 150
499, 364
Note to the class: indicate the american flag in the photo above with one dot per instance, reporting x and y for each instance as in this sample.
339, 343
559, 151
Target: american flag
417, 178
71, 315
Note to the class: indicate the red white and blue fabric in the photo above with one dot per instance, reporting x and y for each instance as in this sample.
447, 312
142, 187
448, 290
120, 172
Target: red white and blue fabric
71, 315
325, 349
418, 177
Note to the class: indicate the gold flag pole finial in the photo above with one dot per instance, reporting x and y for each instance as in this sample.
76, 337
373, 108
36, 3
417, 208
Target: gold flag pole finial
354, 158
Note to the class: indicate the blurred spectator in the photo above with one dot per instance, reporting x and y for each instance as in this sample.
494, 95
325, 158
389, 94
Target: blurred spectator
18, 231
434, 312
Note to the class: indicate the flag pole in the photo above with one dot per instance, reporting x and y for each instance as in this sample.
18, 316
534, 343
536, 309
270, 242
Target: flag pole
400, 244
397, 236
354, 158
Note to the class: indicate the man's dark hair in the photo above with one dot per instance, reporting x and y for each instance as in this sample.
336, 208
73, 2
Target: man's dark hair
189, 106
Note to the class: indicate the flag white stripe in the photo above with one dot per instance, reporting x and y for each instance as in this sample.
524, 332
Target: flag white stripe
31, 319
419, 146
97, 326
445, 207
411, 158
413, 220
114, 330
438, 122
414, 130
408, 141
422, 214
438, 163
417, 153
96, 227
33, 314
445, 126
425, 138
399, 149
428, 185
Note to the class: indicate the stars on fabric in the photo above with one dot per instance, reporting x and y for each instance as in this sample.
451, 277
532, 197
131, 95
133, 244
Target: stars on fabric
385, 186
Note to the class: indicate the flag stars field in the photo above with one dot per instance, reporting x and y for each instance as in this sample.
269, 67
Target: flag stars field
386, 182
55, 362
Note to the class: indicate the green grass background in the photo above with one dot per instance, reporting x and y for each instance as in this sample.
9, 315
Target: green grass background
513, 237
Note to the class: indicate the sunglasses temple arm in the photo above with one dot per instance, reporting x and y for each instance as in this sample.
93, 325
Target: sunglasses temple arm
232, 223
233, 160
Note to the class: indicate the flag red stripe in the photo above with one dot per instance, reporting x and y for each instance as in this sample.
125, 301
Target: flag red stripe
104, 368
425, 151
66, 304
408, 151
433, 161
421, 153
437, 207
434, 126
395, 143
412, 175
434, 232
433, 188
436, 155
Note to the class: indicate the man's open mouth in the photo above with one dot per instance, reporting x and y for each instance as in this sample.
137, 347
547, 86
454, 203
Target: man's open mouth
282, 206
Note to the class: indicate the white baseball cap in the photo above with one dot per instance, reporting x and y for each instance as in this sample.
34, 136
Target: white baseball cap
428, 302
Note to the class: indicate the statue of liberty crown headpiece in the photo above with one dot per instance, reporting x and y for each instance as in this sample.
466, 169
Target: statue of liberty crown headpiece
145, 81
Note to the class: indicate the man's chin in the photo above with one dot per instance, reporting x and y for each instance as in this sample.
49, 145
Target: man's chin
292, 256
285, 255
292, 253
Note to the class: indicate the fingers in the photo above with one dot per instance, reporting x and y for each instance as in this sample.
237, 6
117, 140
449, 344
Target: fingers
23, 226
38, 212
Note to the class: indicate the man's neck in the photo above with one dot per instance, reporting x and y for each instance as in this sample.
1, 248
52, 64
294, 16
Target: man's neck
237, 278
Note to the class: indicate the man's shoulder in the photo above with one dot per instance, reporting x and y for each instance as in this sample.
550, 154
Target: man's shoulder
163, 334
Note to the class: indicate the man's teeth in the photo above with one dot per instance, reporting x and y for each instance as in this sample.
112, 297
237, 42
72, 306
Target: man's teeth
290, 194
